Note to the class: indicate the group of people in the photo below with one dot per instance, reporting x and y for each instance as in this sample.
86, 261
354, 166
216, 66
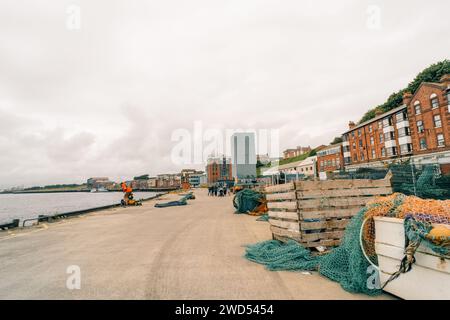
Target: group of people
218, 190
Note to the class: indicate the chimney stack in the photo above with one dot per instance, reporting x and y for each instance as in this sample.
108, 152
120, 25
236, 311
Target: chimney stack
445, 80
407, 96
378, 112
351, 125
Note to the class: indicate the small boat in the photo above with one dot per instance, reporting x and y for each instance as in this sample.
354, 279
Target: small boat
430, 274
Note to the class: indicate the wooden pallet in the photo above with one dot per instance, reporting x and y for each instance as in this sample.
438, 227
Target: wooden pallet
316, 213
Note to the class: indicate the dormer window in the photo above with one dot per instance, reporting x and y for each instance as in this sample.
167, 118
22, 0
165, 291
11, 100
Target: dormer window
417, 108
434, 101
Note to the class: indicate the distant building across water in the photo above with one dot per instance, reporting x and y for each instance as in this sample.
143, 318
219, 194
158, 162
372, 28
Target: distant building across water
99, 182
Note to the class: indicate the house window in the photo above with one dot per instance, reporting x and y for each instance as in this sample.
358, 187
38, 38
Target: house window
380, 124
373, 154
437, 121
434, 101
355, 157
417, 107
403, 132
440, 140
383, 152
370, 128
360, 143
401, 116
371, 141
405, 148
420, 128
354, 146
389, 136
362, 156
387, 122
359, 132
353, 134
381, 138
391, 151
423, 144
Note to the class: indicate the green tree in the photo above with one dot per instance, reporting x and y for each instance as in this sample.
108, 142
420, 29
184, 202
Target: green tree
143, 177
336, 140
431, 74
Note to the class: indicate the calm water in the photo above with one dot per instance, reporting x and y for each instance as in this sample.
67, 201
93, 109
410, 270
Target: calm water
24, 206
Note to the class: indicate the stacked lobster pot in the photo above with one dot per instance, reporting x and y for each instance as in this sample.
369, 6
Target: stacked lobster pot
315, 213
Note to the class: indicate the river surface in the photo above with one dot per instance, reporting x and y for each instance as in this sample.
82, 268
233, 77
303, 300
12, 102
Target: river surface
24, 206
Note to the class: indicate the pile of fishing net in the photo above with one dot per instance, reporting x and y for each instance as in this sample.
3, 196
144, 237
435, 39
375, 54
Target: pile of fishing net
425, 181
250, 201
428, 182
418, 214
347, 263
181, 202
264, 217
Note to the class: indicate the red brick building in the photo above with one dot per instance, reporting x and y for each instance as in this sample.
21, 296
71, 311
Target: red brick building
429, 116
421, 125
384, 137
291, 153
219, 170
330, 158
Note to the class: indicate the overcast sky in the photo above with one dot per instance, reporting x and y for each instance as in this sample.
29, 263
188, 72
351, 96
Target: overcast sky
103, 97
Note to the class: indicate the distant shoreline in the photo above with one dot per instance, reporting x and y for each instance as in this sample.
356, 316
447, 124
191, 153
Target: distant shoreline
66, 191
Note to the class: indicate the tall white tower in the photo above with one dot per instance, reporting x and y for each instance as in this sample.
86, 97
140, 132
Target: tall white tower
243, 155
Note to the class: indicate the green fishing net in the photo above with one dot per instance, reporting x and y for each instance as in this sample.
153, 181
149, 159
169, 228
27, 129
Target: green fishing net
345, 264
247, 200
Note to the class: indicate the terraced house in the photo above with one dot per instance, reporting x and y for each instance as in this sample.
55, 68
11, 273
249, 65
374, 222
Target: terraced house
429, 117
419, 128
330, 158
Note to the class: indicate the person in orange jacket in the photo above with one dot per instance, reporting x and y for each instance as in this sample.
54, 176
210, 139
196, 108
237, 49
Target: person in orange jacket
126, 188
128, 192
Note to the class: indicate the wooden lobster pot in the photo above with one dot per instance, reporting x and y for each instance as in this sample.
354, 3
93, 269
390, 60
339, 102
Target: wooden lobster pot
315, 213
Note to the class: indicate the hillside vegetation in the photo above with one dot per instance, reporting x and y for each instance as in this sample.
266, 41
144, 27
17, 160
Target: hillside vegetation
431, 74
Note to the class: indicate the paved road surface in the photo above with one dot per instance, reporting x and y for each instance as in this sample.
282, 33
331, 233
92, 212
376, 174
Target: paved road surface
189, 252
